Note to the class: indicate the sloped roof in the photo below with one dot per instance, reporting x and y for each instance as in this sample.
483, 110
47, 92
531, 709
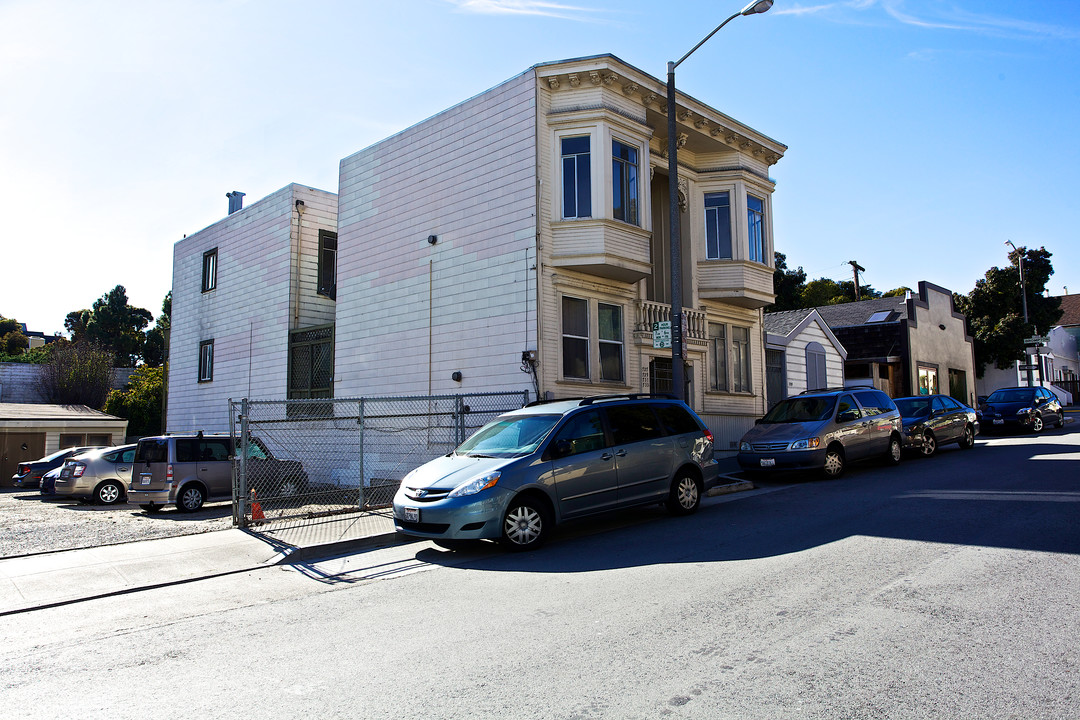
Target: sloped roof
857, 313
783, 322
36, 411
1070, 305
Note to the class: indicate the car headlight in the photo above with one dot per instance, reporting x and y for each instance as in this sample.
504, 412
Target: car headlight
1024, 411
745, 446
806, 444
476, 485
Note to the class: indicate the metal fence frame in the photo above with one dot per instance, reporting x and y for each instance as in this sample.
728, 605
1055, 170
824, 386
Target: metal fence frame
339, 455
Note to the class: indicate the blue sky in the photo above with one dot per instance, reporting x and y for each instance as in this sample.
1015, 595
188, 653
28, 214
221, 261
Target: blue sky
922, 134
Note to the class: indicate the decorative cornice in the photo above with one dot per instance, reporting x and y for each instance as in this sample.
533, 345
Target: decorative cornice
553, 82
602, 106
630, 88
575, 81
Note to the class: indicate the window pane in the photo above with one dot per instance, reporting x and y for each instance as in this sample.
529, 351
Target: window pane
577, 195
717, 226
584, 432
633, 423
575, 317
740, 352
755, 210
718, 346
624, 178
575, 358
610, 322
611, 362
611, 342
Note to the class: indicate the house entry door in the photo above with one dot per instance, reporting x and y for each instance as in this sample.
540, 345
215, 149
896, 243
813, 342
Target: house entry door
660, 379
774, 376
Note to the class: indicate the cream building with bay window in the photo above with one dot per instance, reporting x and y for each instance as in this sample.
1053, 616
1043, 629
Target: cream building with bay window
519, 240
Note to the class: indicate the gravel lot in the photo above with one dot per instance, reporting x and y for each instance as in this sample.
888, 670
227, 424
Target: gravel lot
31, 524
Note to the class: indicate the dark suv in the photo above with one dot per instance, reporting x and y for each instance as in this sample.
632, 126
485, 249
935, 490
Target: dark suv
190, 469
824, 430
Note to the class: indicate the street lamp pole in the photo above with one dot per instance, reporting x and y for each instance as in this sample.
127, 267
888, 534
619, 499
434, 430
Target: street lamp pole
678, 380
1023, 298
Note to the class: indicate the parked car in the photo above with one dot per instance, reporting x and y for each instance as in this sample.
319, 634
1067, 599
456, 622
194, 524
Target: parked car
48, 481
934, 420
1021, 408
190, 469
101, 475
29, 474
533, 468
824, 430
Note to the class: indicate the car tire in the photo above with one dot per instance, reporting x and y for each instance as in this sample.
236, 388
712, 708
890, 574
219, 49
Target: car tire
525, 525
191, 498
151, 508
967, 438
835, 463
929, 445
1037, 424
895, 451
684, 497
109, 493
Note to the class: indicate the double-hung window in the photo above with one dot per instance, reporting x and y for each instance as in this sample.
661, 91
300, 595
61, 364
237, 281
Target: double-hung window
718, 226
575, 342
755, 223
206, 361
576, 174
730, 363
624, 182
327, 264
209, 270
611, 342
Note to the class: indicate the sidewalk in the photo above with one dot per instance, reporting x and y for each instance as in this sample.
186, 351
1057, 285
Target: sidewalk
34, 582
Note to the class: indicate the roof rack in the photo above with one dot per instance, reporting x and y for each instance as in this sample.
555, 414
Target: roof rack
627, 396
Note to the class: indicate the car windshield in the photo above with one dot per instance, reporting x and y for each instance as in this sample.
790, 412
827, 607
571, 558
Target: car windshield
913, 407
509, 436
795, 410
1011, 395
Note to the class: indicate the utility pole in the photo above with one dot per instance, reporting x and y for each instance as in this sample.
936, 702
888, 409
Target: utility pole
856, 268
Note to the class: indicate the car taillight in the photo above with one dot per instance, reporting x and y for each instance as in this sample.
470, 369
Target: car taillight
78, 469
168, 473
708, 435
23, 469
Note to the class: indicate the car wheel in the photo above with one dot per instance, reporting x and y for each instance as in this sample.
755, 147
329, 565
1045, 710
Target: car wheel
1037, 424
684, 497
834, 462
525, 525
191, 499
929, 444
151, 508
967, 440
109, 493
892, 457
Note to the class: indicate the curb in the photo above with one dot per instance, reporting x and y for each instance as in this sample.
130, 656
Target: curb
733, 486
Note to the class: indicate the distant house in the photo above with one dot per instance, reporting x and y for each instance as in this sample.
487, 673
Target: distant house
801, 353
913, 345
29, 431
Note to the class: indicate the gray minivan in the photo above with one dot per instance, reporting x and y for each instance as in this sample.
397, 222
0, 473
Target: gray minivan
824, 430
551, 461
190, 469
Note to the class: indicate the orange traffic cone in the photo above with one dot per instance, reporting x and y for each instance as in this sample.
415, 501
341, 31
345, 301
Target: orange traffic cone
256, 507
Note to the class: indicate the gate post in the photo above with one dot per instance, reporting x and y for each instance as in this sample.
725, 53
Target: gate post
360, 422
241, 484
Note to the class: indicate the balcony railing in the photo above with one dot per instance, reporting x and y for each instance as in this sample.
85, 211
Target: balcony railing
650, 312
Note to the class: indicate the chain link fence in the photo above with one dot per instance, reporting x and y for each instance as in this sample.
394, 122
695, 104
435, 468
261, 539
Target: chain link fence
312, 458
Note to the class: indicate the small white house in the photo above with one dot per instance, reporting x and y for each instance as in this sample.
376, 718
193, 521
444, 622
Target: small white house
801, 353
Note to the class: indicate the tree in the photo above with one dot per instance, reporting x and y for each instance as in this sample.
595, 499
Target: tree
156, 347
113, 324
77, 374
12, 339
787, 285
994, 308
140, 401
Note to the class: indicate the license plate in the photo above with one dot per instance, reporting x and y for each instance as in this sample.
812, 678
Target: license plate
999, 421
412, 514
768, 462
144, 479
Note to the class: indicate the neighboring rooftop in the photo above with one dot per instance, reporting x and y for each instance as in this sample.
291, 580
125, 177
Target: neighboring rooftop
784, 321
877, 310
39, 411
1070, 306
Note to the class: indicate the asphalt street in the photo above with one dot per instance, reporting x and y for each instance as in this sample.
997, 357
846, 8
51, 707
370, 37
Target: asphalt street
942, 588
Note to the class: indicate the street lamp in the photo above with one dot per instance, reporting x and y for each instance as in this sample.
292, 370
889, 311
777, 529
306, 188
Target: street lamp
1023, 295
677, 374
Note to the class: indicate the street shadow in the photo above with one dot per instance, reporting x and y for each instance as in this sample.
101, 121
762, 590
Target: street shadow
1017, 496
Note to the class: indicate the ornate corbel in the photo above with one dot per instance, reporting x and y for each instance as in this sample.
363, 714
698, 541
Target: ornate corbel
701, 123
680, 140
648, 99
745, 145
610, 78
594, 77
574, 80
716, 131
731, 138
553, 82
630, 88
685, 115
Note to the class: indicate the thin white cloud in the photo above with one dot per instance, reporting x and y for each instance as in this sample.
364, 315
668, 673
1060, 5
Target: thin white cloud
936, 17
522, 7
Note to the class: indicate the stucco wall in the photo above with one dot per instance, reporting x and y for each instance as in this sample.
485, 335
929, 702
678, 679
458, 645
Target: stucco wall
937, 337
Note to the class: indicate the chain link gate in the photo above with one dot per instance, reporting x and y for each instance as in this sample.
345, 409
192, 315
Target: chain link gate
312, 458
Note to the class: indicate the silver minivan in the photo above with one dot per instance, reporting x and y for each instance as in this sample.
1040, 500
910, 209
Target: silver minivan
533, 468
824, 430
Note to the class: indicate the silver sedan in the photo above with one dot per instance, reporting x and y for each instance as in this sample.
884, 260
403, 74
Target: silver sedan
100, 475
